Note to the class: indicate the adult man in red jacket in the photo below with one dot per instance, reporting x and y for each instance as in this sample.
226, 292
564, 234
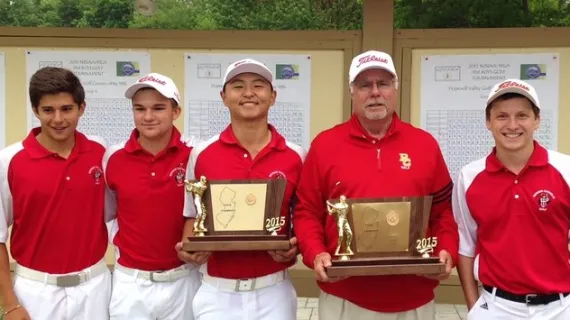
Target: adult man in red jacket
373, 154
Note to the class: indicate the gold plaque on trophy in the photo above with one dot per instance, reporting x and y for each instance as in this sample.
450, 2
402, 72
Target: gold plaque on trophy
381, 227
235, 206
383, 236
238, 215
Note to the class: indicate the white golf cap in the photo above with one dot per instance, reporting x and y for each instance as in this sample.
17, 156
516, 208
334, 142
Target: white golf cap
371, 60
161, 83
514, 86
248, 66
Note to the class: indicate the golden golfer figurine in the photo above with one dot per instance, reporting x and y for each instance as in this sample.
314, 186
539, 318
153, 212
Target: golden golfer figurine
198, 188
340, 212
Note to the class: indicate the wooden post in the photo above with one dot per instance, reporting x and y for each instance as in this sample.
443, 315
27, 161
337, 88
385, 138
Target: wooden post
378, 25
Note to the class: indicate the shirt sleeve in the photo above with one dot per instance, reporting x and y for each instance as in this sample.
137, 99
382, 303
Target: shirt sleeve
6, 212
442, 222
302, 155
190, 141
100, 140
309, 213
189, 207
110, 193
467, 226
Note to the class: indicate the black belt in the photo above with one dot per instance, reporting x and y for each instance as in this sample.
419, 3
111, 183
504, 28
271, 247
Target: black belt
530, 299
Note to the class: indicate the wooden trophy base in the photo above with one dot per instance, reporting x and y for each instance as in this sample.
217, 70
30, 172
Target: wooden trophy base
385, 266
237, 243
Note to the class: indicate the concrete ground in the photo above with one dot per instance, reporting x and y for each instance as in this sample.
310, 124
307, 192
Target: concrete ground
307, 309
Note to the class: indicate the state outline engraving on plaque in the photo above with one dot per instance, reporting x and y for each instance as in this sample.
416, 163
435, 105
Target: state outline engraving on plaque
370, 229
227, 207
380, 228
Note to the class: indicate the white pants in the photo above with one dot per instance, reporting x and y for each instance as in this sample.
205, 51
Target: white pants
490, 307
334, 308
276, 302
86, 301
140, 299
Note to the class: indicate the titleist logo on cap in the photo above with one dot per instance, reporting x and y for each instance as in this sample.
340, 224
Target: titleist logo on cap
240, 62
370, 58
153, 79
511, 84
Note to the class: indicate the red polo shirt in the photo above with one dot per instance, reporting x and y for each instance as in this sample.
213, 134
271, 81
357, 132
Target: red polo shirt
517, 224
345, 160
223, 158
55, 205
147, 196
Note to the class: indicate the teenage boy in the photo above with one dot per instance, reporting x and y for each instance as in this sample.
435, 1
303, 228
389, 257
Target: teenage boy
52, 192
145, 179
513, 208
252, 283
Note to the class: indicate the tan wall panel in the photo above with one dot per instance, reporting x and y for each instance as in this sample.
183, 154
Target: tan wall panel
564, 98
327, 83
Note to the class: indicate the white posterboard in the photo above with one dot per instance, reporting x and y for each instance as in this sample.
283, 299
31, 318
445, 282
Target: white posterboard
105, 76
454, 91
207, 116
2, 100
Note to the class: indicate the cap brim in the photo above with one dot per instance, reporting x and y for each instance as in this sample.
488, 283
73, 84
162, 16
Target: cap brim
516, 90
250, 68
374, 67
132, 90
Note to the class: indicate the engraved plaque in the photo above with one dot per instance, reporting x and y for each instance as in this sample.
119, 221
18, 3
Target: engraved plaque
381, 227
238, 207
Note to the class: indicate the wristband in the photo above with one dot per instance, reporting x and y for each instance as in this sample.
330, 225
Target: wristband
16, 307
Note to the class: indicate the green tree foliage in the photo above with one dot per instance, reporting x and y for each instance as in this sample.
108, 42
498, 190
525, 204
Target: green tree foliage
253, 15
68, 12
282, 14
420, 14
18, 13
171, 14
107, 14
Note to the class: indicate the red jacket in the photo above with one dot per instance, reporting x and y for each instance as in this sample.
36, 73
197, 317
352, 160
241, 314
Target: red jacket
346, 160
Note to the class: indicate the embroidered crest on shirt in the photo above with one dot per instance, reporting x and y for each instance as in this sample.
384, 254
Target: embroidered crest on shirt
277, 175
96, 173
543, 198
405, 161
178, 173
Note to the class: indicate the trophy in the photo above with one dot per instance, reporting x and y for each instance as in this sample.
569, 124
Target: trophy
383, 236
234, 215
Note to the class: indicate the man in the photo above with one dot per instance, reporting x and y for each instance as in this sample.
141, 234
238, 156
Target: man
145, 177
374, 154
513, 208
252, 283
52, 194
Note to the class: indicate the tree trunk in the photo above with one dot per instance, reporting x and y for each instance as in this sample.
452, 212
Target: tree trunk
524, 4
